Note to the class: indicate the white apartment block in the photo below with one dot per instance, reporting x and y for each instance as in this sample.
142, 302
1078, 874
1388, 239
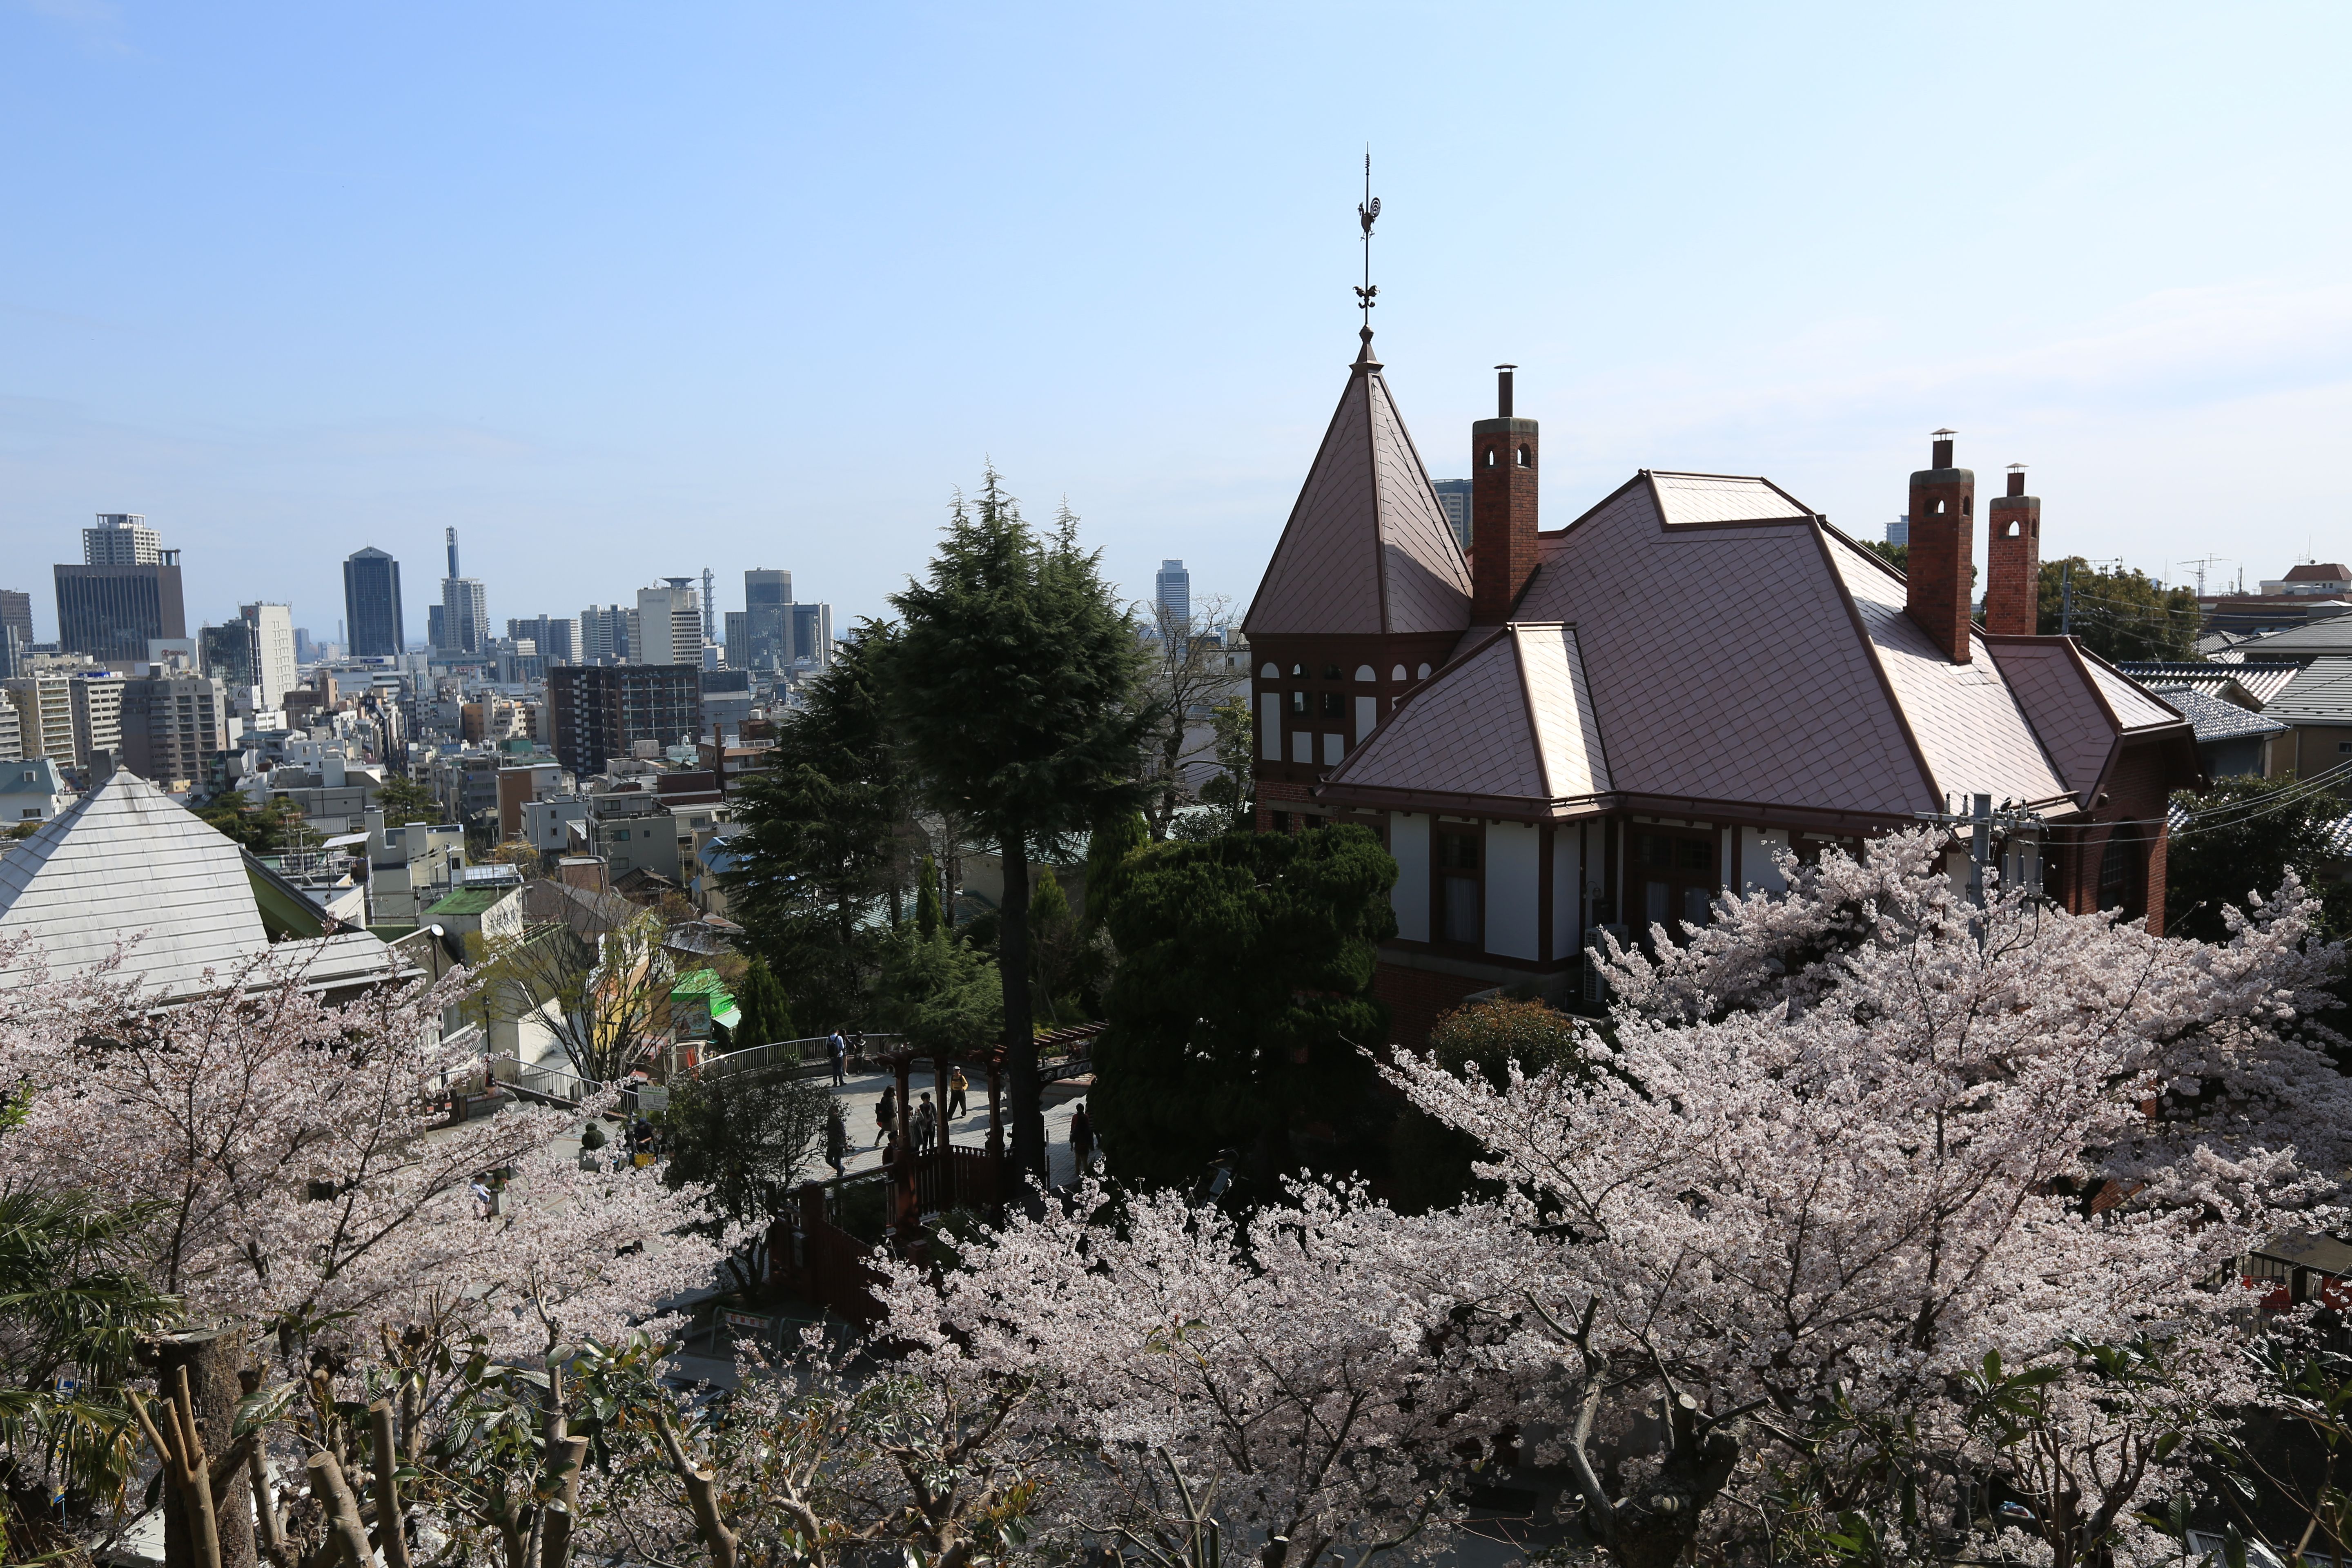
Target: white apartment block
670, 620
121, 539
273, 637
97, 717
44, 725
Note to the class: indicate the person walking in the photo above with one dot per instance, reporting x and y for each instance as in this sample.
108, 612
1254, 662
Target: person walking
836, 1140
957, 1084
885, 1117
838, 1048
1082, 1138
927, 1125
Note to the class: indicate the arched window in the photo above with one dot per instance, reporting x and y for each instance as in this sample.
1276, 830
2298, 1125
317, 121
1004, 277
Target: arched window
1398, 673
1299, 672
1364, 672
1936, 508
1490, 457
1526, 456
1424, 673
2013, 530
1271, 672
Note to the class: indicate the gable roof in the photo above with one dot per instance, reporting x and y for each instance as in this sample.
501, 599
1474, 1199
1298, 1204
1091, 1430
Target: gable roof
2318, 571
1510, 718
2257, 682
2217, 719
2321, 694
1367, 549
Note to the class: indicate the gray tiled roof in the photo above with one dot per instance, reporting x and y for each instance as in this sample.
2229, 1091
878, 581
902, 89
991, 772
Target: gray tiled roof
2215, 718
2260, 681
2321, 694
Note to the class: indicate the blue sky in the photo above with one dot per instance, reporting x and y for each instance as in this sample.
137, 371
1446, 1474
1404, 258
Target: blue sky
622, 291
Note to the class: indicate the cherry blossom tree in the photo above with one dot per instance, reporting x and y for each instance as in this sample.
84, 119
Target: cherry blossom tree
1839, 1148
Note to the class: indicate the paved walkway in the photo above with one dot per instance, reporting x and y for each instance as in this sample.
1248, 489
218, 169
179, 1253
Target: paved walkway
863, 1091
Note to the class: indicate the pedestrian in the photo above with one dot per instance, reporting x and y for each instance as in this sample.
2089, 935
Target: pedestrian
836, 1139
480, 1190
883, 1118
838, 1048
927, 1124
957, 1084
1082, 1138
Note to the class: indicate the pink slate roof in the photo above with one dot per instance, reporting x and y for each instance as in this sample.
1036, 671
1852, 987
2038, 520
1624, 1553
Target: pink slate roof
1704, 638
1367, 549
1509, 717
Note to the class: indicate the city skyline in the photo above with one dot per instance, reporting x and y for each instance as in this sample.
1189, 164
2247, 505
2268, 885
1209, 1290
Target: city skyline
1763, 261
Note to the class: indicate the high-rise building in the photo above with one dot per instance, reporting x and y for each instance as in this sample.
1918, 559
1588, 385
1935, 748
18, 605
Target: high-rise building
12, 736
1453, 495
44, 706
274, 669
1899, 531
812, 634
172, 726
16, 614
761, 636
555, 637
608, 634
121, 538
1172, 594
671, 625
125, 593
230, 654
465, 611
598, 712
372, 611
96, 722
766, 585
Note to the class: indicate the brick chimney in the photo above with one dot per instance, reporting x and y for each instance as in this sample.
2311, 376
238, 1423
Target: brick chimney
1943, 502
2012, 600
1502, 508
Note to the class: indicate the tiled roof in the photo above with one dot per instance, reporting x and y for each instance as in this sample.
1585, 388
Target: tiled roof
1368, 549
2215, 718
2331, 636
124, 858
2318, 571
2321, 694
2259, 681
1704, 639
1508, 719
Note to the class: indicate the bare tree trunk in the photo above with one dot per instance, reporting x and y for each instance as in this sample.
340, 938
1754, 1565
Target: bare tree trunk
211, 1360
555, 1537
391, 1519
1019, 1030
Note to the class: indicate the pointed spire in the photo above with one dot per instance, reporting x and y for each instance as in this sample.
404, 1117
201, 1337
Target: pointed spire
1366, 292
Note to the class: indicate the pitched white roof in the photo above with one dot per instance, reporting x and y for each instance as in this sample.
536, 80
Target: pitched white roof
126, 858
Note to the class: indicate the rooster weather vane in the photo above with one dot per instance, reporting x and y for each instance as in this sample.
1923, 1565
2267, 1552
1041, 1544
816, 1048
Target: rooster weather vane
1366, 212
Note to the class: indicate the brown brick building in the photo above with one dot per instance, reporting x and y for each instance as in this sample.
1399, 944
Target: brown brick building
1607, 724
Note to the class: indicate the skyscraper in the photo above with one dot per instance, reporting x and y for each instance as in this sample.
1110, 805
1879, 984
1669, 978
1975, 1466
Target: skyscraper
812, 634
465, 610
1453, 495
1172, 594
16, 614
230, 654
125, 594
766, 637
670, 624
608, 634
372, 602
557, 638
121, 538
274, 669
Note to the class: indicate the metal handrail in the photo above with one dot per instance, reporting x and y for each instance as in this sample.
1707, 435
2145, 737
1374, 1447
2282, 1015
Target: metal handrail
792, 1053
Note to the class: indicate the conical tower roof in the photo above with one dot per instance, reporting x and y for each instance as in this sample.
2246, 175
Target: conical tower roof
1367, 549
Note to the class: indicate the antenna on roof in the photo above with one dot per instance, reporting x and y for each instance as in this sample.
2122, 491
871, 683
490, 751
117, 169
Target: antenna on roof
1367, 211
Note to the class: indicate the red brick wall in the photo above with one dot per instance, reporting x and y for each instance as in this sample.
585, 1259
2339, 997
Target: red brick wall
1937, 566
2013, 601
1502, 517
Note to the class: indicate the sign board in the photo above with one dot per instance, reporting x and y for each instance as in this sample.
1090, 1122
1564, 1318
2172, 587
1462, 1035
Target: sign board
653, 1097
751, 1320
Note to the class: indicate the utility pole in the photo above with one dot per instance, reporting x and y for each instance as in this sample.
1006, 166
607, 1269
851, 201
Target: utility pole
1981, 821
2066, 599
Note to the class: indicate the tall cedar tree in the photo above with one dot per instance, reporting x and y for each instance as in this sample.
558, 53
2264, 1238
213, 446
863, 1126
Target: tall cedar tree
1013, 682
767, 1013
820, 858
1242, 1009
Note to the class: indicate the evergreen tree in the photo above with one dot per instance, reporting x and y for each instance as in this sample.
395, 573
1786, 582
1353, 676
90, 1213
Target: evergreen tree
820, 858
943, 997
1013, 685
1242, 1008
927, 900
767, 1014
1115, 837
2119, 615
2244, 835
403, 801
